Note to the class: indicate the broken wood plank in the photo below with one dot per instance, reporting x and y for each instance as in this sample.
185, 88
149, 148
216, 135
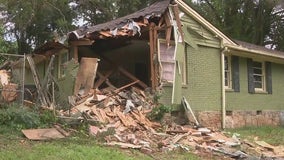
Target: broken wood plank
189, 111
176, 15
42, 94
123, 71
168, 28
129, 75
102, 78
86, 75
151, 43
124, 145
42, 134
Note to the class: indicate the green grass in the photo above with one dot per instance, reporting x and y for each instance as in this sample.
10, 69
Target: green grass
13, 145
269, 134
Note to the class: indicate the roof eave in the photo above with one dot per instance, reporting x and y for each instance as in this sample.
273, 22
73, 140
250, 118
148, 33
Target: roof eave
257, 52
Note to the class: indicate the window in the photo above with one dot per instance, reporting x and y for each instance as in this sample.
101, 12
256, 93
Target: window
228, 72
167, 62
231, 73
259, 76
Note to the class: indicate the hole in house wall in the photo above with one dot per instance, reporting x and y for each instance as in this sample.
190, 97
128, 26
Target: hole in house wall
229, 113
258, 112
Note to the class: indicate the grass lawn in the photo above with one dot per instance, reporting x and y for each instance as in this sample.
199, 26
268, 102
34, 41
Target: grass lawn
269, 134
13, 145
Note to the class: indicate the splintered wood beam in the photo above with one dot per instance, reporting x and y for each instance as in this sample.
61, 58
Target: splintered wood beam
176, 13
155, 67
161, 21
125, 86
151, 42
82, 42
124, 71
129, 75
102, 78
168, 28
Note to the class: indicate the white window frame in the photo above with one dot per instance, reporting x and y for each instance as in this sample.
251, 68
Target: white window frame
170, 62
262, 75
228, 71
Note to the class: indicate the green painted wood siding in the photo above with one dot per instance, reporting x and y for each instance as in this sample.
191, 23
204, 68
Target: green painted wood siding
258, 101
195, 33
203, 90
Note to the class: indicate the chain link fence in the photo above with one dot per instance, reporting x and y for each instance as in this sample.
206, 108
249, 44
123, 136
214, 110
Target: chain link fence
12, 78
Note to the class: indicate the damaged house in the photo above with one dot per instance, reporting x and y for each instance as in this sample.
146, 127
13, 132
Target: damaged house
169, 48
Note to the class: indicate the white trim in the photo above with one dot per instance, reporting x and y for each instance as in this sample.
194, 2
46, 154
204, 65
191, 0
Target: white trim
209, 26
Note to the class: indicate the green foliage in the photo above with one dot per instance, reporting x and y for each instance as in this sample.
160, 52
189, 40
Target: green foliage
35, 22
158, 112
24, 118
98, 11
6, 46
257, 22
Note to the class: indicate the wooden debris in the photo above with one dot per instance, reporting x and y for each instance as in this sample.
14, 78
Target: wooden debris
9, 92
42, 134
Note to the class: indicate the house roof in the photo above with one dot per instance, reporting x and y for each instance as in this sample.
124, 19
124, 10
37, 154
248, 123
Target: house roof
48, 47
256, 49
154, 10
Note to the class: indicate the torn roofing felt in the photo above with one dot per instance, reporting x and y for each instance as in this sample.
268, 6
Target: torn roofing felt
154, 10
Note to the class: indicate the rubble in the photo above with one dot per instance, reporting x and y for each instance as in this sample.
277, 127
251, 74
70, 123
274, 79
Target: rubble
121, 117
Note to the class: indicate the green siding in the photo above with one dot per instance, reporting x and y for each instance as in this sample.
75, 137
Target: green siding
166, 94
258, 101
195, 33
204, 79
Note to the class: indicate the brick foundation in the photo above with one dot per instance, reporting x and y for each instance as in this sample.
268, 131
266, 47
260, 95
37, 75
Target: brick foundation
237, 119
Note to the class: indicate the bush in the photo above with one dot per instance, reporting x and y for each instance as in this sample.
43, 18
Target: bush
158, 112
24, 118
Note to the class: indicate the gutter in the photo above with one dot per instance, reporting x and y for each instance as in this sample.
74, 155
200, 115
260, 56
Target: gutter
223, 96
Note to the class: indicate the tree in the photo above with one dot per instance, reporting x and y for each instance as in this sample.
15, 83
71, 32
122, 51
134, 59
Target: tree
94, 12
32, 22
255, 21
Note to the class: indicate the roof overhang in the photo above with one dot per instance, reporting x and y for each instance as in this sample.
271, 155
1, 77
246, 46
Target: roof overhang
251, 53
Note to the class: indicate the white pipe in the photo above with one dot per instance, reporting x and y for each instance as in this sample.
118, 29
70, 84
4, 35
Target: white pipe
223, 87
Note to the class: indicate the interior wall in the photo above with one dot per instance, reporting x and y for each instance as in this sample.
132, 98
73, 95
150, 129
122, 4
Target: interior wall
134, 57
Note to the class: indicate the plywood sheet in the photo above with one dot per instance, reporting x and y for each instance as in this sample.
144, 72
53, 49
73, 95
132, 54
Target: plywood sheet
42, 134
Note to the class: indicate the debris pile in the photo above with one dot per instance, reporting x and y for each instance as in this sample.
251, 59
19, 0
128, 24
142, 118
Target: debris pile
121, 120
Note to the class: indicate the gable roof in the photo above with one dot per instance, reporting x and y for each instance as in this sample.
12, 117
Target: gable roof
204, 22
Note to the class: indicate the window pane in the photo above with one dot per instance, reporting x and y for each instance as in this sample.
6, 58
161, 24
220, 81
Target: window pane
257, 64
257, 78
258, 84
257, 71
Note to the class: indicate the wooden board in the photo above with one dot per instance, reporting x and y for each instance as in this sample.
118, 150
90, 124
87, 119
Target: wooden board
42, 134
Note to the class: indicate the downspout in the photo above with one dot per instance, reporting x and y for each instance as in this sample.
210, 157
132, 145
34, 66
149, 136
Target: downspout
223, 105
